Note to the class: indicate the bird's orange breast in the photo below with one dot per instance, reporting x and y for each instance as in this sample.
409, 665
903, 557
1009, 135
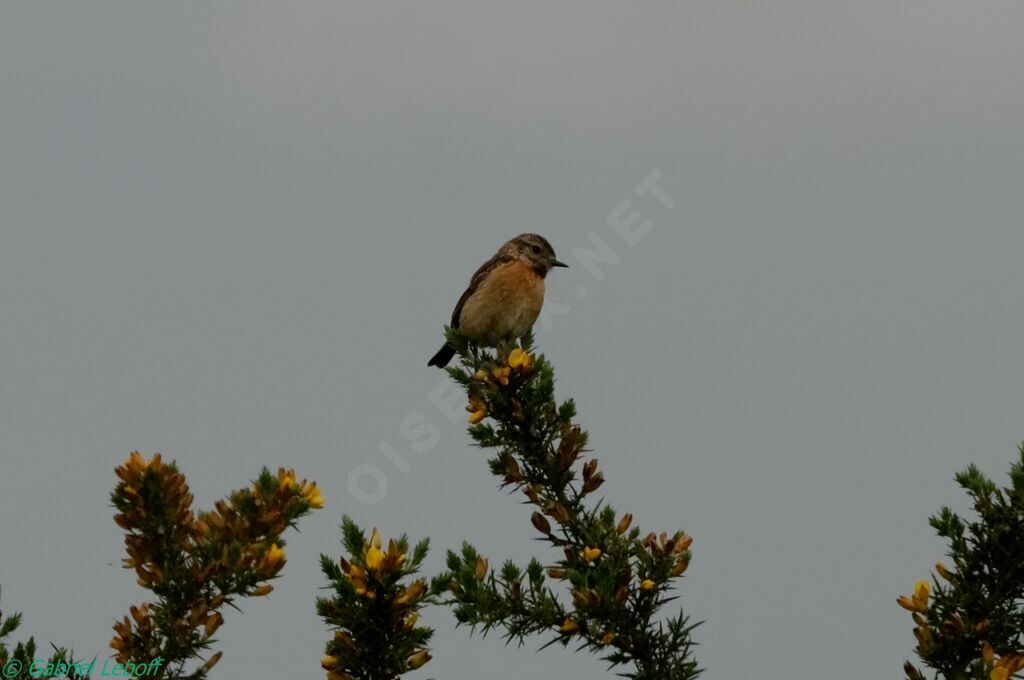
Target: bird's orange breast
505, 305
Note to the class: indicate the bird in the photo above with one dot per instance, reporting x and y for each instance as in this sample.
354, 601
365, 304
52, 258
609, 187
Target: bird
504, 296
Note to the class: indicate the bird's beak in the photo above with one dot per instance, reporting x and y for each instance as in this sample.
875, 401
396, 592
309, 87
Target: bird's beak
558, 263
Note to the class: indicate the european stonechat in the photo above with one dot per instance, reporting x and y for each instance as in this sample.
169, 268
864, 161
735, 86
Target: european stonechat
504, 296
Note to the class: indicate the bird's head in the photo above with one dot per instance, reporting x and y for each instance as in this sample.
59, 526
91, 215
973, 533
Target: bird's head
535, 251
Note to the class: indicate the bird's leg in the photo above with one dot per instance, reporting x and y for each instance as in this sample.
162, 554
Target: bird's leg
501, 345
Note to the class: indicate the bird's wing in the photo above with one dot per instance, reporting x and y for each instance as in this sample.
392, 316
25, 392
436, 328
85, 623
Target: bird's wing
474, 285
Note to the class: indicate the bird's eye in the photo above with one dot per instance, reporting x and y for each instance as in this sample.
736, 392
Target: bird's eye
536, 249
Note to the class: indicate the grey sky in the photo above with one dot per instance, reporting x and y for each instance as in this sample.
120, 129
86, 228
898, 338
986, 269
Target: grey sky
231, 233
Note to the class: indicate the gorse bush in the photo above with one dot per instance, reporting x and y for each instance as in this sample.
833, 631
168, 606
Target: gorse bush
969, 620
617, 578
196, 564
375, 607
602, 587
23, 661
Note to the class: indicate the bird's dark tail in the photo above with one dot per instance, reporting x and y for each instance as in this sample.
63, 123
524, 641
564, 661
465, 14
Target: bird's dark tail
443, 356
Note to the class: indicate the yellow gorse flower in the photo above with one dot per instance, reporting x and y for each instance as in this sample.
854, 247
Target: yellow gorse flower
591, 554
500, 374
286, 482
358, 578
272, 560
918, 602
647, 584
313, 496
395, 558
418, 659
477, 409
379, 561
1007, 667
135, 463
520, 359
410, 594
286, 479
374, 558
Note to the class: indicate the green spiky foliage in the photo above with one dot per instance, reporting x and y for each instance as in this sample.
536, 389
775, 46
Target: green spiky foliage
618, 580
374, 607
969, 621
22, 661
196, 564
